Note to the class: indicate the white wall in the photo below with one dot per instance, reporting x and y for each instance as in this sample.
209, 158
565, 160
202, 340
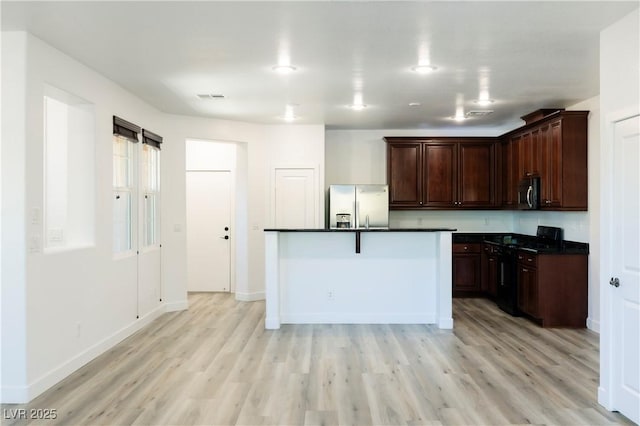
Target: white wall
62, 309
263, 147
619, 97
68, 306
14, 249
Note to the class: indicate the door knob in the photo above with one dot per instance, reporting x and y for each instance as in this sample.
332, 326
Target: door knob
614, 281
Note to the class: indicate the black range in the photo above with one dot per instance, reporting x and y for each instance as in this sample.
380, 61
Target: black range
548, 240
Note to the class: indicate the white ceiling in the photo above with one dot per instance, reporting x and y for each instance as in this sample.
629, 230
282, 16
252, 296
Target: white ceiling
528, 55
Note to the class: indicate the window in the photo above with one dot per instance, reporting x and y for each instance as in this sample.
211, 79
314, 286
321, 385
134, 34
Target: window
124, 139
136, 220
69, 182
151, 190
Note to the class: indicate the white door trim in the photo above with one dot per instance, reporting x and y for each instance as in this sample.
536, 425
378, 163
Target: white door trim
271, 220
605, 394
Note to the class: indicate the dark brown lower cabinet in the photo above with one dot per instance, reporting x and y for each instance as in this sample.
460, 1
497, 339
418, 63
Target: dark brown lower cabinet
467, 270
492, 275
552, 288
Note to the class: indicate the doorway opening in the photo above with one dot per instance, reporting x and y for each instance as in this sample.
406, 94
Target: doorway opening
215, 207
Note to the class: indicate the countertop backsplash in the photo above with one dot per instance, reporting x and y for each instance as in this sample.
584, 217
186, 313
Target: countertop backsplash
463, 221
574, 224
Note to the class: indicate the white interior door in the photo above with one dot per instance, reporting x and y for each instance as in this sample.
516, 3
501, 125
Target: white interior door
296, 197
208, 230
625, 293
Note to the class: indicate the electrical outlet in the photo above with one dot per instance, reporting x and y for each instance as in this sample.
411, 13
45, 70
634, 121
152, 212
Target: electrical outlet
330, 295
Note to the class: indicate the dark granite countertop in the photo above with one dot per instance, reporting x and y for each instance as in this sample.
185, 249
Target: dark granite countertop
567, 247
365, 230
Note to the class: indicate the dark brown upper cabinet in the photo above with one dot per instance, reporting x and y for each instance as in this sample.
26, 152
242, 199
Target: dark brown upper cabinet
442, 173
483, 173
555, 149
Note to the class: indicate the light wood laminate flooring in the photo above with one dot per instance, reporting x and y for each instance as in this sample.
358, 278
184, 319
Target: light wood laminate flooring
216, 364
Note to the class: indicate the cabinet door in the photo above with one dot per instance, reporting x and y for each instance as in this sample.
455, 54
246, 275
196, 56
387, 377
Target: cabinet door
476, 175
509, 166
528, 290
525, 160
521, 155
534, 161
439, 170
551, 164
404, 174
466, 273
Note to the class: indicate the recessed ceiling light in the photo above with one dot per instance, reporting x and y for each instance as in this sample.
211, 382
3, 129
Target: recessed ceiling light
483, 102
289, 114
211, 96
424, 69
357, 107
414, 104
284, 69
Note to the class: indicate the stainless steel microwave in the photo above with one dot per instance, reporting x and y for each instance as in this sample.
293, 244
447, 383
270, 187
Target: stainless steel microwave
529, 193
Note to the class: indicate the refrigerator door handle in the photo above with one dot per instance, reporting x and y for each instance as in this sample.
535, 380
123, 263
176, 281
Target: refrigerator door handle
356, 209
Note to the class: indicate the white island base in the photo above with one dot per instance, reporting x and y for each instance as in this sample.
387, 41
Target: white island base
398, 277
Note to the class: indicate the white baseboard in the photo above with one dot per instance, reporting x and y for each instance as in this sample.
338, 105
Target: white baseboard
445, 323
54, 376
250, 297
176, 306
593, 325
345, 318
15, 395
271, 324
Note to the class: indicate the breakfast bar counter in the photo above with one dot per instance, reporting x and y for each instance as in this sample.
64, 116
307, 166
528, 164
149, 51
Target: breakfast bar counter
358, 276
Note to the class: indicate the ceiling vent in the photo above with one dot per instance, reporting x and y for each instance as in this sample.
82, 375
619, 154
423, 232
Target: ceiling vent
211, 96
478, 113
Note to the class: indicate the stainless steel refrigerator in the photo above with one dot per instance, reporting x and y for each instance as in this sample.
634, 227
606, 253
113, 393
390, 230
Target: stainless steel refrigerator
358, 206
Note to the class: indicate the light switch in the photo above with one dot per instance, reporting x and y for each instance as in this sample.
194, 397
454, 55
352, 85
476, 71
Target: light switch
35, 216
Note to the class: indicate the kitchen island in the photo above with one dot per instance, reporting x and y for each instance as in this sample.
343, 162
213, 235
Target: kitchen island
358, 276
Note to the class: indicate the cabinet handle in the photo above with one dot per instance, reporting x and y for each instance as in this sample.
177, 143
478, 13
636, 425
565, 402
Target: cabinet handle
420, 202
529, 260
491, 260
466, 248
525, 270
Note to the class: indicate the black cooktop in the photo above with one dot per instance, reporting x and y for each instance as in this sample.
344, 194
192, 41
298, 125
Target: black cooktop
548, 240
